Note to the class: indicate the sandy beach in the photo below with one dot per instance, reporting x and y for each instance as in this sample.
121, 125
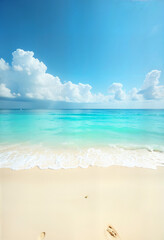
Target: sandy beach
82, 204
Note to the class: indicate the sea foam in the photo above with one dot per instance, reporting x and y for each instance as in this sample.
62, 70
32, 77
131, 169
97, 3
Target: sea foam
21, 156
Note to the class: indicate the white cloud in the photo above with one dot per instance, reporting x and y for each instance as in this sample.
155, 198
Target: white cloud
134, 96
27, 78
5, 92
152, 78
3, 65
151, 88
117, 92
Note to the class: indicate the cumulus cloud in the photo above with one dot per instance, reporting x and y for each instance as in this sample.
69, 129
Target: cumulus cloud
117, 92
5, 92
27, 78
3, 65
151, 88
134, 95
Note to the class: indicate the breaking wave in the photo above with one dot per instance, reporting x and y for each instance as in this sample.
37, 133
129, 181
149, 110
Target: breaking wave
21, 156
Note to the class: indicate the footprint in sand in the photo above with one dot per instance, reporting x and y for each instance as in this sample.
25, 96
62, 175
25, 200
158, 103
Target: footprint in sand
42, 236
111, 233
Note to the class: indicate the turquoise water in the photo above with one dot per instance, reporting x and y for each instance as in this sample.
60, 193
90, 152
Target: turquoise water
81, 129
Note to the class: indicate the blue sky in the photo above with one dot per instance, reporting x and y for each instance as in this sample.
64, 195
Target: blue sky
94, 42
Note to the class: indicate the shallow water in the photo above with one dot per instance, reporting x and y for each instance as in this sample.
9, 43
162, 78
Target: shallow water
71, 138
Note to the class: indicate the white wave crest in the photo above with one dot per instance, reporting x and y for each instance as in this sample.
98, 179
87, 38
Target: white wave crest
28, 156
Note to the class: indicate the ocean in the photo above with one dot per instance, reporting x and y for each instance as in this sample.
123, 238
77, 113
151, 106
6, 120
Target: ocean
81, 138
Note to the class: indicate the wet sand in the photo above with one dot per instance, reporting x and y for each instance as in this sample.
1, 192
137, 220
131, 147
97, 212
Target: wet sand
82, 204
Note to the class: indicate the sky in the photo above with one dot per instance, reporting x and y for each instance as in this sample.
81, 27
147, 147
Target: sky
82, 54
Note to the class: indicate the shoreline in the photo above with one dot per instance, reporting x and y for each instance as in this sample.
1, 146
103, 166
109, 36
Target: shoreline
28, 156
81, 203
